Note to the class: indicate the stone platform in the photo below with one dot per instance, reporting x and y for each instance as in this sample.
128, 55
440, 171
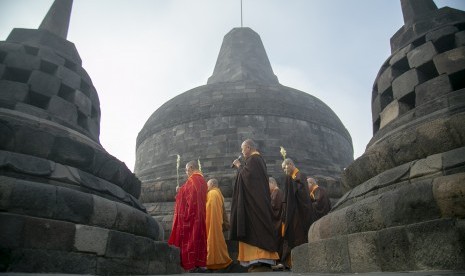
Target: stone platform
288, 273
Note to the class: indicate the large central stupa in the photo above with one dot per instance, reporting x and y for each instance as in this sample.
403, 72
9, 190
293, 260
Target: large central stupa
242, 99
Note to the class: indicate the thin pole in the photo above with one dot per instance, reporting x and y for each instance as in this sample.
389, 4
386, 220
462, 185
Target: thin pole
241, 13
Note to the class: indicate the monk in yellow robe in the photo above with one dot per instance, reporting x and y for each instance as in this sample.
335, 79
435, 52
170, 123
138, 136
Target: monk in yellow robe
217, 251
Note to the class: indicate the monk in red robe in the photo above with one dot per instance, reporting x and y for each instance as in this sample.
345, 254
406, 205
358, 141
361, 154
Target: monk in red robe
189, 231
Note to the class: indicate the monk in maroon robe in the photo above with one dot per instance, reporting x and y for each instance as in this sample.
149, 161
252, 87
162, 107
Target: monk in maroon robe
298, 212
189, 231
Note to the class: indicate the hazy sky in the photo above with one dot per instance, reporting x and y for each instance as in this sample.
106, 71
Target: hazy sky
141, 53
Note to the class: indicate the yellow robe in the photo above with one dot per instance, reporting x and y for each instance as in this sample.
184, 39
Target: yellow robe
217, 251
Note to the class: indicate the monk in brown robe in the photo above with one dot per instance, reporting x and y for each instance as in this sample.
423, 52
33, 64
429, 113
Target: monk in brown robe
277, 198
319, 197
217, 250
189, 228
298, 212
251, 212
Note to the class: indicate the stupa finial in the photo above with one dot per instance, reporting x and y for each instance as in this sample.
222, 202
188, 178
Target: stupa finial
415, 9
57, 19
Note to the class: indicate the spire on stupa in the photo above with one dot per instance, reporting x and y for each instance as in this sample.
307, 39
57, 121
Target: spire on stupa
415, 9
57, 19
243, 57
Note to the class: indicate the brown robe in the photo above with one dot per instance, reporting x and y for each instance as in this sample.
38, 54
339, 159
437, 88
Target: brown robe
321, 203
277, 198
251, 213
298, 214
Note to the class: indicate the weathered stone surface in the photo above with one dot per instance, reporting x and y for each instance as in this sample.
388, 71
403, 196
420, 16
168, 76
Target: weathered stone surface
33, 199
406, 83
431, 165
301, 258
451, 61
44, 84
51, 261
436, 245
337, 254
104, 212
421, 55
392, 111
365, 216
431, 89
73, 205
117, 266
400, 54
419, 205
62, 108
91, 239
68, 77
363, 252
48, 234
11, 228
460, 39
13, 91
449, 195
393, 249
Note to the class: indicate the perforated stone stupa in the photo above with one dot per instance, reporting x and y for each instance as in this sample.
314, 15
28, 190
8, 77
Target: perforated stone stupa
66, 205
406, 206
242, 99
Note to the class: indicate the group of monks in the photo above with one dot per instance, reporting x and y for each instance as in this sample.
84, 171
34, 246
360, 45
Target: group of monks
266, 222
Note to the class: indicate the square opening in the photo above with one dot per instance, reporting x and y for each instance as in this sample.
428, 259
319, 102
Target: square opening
409, 101
428, 70
445, 43
70, 65
31, 50
386, 97
48, 67
85, 87
66, 93
457, 80
82, 120
16, 74
37, 100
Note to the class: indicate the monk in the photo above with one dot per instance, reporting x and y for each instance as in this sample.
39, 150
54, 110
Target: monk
217, 250
319, 197
251, 212
298, 214
189, 231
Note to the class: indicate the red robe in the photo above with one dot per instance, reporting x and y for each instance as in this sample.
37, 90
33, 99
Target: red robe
189, 231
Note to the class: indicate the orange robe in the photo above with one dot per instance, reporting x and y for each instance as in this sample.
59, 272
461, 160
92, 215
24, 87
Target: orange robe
217, 251
189, 228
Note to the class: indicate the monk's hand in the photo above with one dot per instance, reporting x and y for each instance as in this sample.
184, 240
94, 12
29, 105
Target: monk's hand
177, 189
237, 163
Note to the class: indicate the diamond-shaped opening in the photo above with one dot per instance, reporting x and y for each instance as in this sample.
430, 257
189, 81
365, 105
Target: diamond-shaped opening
31, 50
428, 70
419, 41
445, 43
2, 56
48, 67
16, 74
37, 100
460, 26
85, 88
82, 120
409, 100
70, 65
376, 125
401, 66
374, 93
457, 80
95, 114
66, 92
386, 97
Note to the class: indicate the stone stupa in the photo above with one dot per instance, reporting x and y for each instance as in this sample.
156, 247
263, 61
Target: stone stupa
405, 209
66, 205
242, 99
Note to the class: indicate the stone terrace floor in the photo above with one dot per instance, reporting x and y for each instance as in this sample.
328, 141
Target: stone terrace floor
287, 273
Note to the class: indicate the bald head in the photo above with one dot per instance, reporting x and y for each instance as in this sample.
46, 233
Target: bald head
288, 166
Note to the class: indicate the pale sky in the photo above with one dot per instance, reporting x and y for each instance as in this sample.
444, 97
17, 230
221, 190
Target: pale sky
141, 53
